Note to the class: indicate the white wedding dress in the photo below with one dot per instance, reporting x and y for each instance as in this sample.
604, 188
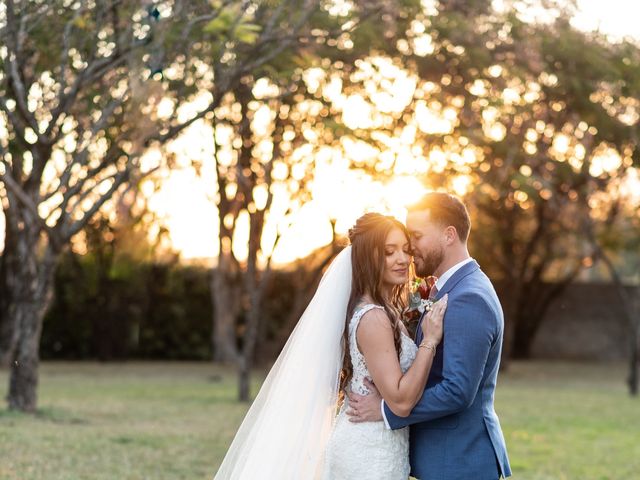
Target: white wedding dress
367, 450
291, 431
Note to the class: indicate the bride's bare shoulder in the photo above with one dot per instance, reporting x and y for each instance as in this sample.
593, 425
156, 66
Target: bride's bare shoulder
375, 318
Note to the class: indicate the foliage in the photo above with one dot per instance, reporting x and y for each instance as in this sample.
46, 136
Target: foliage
140, 310
78, 110
85, 90
530, 121
153, 309
268, 132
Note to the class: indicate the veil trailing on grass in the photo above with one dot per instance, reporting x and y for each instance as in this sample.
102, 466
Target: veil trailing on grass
285, 432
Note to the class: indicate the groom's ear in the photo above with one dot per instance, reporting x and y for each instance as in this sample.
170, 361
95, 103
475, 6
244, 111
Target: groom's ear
451, 235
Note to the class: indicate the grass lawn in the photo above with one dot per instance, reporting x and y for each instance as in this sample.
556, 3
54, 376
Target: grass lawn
162, 421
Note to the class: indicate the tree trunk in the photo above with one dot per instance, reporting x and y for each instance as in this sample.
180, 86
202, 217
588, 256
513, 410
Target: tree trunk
527, 321
23, 379
507, 339
249, 346
631, 308
244, 374
28, 272
507, 294
634, 358
633, 367
225, 297
522, 340
6, 326
529, 310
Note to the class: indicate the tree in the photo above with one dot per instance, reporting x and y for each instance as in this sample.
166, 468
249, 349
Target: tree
529, 121
266, 134
85, 91
613, 233
119, 246
563, 128
73, 138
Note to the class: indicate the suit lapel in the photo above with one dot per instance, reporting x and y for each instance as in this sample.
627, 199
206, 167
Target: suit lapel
418, 336
466, 269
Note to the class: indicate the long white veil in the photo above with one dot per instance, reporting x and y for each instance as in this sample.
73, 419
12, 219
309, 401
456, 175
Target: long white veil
285, 432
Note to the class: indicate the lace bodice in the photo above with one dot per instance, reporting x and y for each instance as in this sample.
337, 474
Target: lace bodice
408, 351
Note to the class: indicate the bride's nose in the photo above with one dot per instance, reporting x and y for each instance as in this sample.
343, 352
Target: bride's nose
404, 258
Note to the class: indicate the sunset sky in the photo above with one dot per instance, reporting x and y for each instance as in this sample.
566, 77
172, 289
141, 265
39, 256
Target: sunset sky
185, 200
341, 193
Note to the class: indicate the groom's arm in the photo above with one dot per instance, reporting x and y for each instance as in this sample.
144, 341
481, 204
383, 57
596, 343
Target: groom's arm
469, 331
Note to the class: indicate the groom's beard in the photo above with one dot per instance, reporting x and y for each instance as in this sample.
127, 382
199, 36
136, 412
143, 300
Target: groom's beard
429, 262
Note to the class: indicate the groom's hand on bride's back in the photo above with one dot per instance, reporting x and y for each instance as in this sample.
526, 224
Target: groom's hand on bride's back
365, 408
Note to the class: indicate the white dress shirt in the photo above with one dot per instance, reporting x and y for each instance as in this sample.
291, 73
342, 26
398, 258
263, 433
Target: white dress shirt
440, 283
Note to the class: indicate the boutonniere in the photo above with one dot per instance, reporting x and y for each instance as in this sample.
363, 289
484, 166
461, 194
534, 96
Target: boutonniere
419, 301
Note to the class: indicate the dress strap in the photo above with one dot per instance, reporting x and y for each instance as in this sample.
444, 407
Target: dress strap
364, 309
353, 328
359, 313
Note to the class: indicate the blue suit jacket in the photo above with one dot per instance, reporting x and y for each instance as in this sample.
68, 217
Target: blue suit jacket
455, 432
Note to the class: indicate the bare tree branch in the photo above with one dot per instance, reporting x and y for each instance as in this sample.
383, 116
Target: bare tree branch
64, 59
20, 95
174, 130
79, 224
108, 160
81, 156
16, 123
119, 179
93, 72
20, 194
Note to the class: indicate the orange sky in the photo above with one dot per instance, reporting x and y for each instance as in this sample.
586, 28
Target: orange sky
338, 191
185, 199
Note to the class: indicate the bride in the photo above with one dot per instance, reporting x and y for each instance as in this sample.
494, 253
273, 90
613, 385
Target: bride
350, 332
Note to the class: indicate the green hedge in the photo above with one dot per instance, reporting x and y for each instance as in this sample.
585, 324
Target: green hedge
128, 310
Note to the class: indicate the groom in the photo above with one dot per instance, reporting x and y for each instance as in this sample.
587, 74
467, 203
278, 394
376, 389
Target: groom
455, 432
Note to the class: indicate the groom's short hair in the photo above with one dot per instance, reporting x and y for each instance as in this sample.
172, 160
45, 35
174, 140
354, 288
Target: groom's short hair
446, 209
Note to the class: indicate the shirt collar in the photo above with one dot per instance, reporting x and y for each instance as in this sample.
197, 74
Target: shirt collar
442, 279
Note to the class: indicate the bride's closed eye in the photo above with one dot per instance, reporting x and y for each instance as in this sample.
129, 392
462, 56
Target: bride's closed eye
405, 250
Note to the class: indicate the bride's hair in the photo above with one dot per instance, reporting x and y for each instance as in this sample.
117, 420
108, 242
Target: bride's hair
368, 237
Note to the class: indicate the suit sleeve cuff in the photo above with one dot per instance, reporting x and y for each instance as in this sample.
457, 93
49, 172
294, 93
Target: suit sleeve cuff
384, 416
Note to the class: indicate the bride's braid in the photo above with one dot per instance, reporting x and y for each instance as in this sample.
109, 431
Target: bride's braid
368, 238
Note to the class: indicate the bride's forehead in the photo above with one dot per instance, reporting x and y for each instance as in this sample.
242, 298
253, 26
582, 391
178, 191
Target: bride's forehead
396, 237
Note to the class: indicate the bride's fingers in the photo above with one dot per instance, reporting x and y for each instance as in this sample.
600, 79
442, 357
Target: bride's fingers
440, 307
443, 302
